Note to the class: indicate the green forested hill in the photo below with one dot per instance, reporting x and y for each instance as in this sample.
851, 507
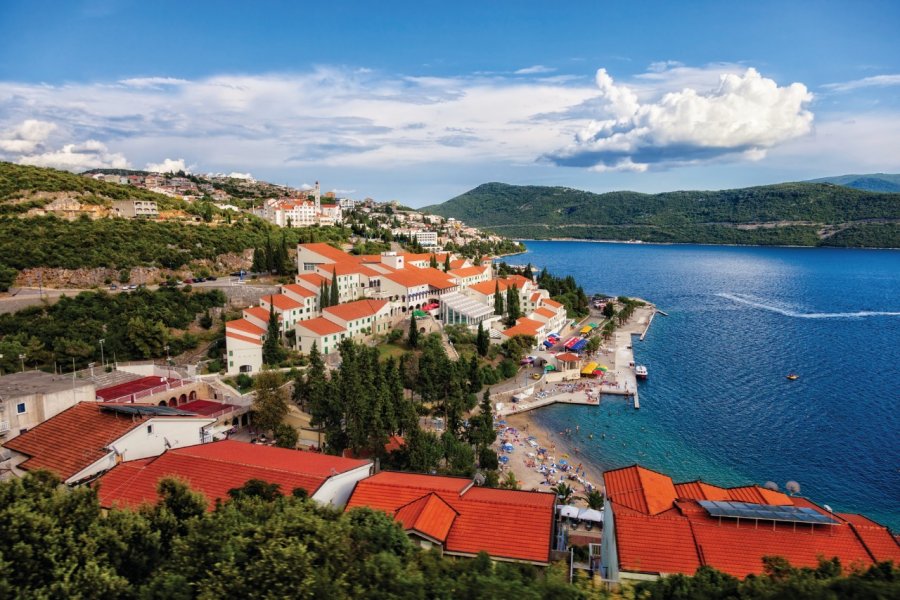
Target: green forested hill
806, 214
873, 182
20, 183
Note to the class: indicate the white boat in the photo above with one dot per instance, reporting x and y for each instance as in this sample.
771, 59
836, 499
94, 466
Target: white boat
640, 371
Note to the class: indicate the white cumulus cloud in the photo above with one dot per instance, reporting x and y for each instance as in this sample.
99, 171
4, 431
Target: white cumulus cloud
236, 175
91, 154
746, 115
169, 165
25, 137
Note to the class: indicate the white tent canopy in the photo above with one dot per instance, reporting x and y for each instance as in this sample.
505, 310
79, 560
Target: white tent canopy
589, 514
568, 511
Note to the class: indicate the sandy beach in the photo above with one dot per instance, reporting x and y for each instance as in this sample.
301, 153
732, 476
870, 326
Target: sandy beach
525, 459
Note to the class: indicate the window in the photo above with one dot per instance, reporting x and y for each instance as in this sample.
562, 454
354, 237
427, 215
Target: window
20, 408
231, 353
149, 429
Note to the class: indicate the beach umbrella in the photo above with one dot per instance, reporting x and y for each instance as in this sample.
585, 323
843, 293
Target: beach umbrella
503, 459
563, 461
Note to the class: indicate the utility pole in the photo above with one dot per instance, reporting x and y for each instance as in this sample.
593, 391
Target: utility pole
22, 358
102, 361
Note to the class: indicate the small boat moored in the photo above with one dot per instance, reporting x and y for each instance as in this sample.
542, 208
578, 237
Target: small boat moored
792, 376
640, 371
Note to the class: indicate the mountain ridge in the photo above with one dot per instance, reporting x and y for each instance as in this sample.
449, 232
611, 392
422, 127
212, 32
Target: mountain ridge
799, 213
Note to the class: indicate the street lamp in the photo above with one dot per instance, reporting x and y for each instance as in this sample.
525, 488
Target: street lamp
22, 358
168, 363
91, 367
1, 365
102, 360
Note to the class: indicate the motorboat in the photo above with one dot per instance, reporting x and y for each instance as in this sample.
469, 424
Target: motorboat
793, 376
640, 371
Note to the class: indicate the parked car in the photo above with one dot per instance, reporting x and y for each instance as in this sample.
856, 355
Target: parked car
113, 287
199, 279
187, 281
212, 278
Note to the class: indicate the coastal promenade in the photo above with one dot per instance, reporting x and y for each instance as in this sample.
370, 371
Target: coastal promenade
620, 379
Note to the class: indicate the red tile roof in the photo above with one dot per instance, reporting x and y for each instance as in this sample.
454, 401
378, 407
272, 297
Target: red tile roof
568, 357
545, 312
551, 303
464, 272
524, 326
245, 326
298, 290
657, 534
321, 326
640, 489
260, 313
328, 252
428, 515
487, 288
313, 278
359, 309
414, 276
505, 523
215, 468
136, 385
206, 407
281, 302
74, 439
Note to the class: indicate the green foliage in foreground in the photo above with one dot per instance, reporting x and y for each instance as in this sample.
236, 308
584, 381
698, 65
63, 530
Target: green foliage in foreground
800, 211
134, 325
122, 243
780, 580
57, 543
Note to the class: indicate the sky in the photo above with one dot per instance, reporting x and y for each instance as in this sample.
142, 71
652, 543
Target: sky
421, 101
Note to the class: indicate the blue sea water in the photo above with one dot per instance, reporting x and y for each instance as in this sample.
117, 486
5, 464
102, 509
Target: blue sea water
717, 405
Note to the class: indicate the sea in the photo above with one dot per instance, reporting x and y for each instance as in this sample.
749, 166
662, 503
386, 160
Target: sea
717, 405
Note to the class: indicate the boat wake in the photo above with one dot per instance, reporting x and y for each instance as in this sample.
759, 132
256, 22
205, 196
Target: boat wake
750, 301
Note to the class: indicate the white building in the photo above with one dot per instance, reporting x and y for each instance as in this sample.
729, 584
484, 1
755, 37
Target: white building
29, 398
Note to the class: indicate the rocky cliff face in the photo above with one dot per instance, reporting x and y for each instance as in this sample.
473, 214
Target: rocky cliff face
101, 277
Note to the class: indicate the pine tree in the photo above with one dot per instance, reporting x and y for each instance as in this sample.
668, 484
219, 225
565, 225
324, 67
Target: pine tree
413, 338
270, 403
498, 300
272, 351
474, 375
482, 341
528, 273
334, 300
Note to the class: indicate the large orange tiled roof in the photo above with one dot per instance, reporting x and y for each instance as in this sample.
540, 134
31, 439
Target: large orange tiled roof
467, 271
74, 439
321, 326
655, 533
260, 313
545, 312
414, 276
505, 523
551, 303
313, 278
359, 309
215, 468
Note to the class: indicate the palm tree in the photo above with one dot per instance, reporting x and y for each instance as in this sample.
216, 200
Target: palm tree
594, 499
563, 491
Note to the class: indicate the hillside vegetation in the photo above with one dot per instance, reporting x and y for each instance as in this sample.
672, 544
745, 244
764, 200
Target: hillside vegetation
23, 188
804, 214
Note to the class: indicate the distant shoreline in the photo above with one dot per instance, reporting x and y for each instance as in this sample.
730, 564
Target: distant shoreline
642, 243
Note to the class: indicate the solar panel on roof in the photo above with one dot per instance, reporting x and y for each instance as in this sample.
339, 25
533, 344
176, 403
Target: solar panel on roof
747, 510
141, 409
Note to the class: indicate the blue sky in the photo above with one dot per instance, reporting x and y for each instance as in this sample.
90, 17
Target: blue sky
420, 101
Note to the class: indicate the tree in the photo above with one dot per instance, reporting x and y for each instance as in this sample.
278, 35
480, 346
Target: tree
513, 311
482, 340
510, 482
324, 295
334, 299
286, 436
270, 254
498, 300
594, 499
446, 262
259, 261
528, 273
413, 337
609, 309
7, 277
593, 344
432, 262
563, 491
147, 337
270, 404
474, 375
272, 352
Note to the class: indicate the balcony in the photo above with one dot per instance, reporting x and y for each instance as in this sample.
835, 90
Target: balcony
4, 427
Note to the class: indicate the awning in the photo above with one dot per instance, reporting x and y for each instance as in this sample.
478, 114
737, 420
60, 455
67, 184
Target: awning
568, 511
419, 313
589, 514
589, 369
586, 329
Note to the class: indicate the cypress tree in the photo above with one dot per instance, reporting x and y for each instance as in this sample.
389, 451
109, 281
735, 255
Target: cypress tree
413, 338
498, 300
323, 295
513, 311
474, 375
433, 262
272, 346
447, 262
334, 300
259, 261
270, 254
482, 341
